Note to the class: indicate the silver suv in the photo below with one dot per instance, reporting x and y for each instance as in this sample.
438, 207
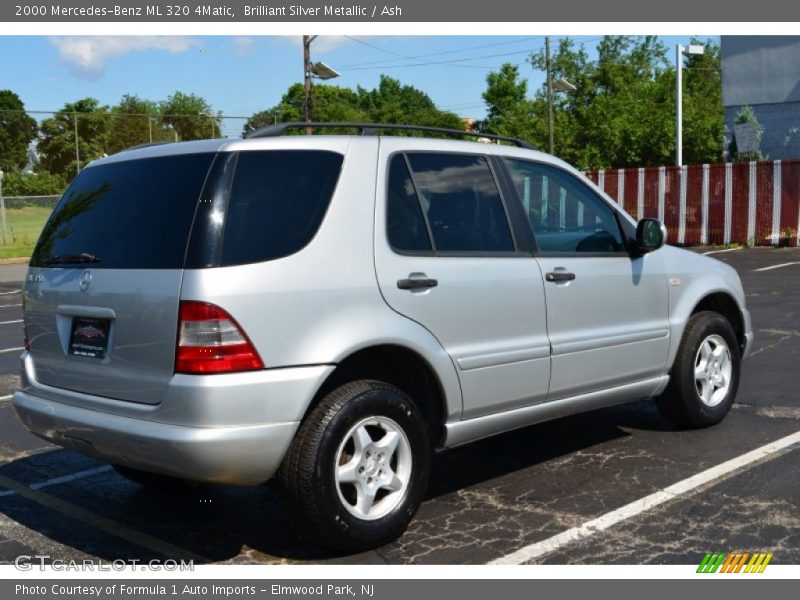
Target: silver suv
332, 309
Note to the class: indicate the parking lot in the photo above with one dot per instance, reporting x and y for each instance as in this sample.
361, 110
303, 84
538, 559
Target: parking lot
503, 499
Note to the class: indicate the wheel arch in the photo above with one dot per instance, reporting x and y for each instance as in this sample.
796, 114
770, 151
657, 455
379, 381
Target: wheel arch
717, 299
403, 367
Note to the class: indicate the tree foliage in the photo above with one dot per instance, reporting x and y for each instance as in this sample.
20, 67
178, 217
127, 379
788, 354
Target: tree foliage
622, 112
17, 130
390, 102
191, 117
33, 184
58, 140
135, 121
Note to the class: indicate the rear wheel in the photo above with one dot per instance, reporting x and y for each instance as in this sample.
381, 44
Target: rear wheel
705, 374
358, 467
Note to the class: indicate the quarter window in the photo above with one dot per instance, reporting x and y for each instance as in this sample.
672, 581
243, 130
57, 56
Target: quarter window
566, 216
405, 225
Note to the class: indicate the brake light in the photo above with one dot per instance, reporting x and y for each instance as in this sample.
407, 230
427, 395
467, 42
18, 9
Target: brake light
211, 341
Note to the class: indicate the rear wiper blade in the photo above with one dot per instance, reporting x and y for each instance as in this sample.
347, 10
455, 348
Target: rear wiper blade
66, 259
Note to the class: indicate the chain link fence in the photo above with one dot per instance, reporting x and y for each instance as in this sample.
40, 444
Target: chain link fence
21, 221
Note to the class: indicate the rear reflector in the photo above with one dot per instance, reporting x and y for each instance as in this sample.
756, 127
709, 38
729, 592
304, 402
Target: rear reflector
211, 341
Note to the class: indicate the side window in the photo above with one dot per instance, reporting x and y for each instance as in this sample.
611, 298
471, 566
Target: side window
461, 202
566, 215
405, 225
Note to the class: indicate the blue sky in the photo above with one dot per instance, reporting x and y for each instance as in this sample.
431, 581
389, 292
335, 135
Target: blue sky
240, 75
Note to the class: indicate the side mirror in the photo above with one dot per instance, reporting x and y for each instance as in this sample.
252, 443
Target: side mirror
650, 235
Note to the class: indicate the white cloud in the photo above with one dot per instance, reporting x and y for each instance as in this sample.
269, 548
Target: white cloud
86, 57
242, 45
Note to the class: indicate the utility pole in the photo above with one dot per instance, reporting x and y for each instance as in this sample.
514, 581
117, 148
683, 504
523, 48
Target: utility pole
549, 92
2, 207
679, 105
77, 151
307, 107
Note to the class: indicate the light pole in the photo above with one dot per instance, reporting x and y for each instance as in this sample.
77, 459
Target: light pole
2, 207
680, 50
310, 70
559, 85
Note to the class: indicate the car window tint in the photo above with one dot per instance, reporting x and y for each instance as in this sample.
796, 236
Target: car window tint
405, 225
459, 195
277, 202
565, 214
130, 214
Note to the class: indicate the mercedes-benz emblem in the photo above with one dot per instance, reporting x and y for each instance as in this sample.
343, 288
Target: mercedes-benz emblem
85, 280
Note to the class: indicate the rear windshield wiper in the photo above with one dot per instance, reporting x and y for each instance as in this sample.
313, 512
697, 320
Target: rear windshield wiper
66, 259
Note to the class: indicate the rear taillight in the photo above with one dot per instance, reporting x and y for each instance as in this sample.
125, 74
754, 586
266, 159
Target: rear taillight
211, 341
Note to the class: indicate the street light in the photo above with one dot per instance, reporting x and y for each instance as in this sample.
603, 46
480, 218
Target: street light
310, 70
559, 85
680, 50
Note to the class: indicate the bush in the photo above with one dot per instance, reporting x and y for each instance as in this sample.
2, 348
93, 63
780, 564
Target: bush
33, 184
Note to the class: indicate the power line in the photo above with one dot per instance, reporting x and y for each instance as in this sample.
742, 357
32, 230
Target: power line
432, 54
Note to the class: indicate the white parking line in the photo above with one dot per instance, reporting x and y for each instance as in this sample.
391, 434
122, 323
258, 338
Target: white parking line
4, 398
10, 322
5, 305
721, 251
4, 350
11, 292
637, 507
780, 266
62, 479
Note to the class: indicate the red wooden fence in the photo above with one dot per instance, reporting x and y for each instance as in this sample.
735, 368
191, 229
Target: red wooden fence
753, 203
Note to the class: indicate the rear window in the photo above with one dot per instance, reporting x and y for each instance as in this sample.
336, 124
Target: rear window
277, 201
130, 215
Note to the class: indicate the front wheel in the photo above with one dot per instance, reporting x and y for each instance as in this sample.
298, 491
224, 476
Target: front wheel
705, 374
358, 467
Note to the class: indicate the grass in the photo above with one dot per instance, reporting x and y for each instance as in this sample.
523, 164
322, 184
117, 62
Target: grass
23, 226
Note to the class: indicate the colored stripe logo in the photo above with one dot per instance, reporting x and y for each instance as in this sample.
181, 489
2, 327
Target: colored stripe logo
737, 562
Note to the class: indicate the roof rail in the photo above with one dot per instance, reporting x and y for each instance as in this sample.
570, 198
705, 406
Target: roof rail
279, 129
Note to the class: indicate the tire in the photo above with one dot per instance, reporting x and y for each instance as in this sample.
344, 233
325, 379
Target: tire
156, 481
343, 447
692, 401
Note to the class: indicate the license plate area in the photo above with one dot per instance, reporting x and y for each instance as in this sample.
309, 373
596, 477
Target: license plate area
89, 337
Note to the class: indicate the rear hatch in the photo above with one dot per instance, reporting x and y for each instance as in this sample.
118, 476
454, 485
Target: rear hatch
102, 294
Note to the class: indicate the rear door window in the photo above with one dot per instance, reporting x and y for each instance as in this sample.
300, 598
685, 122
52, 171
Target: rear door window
460, 199
277, 201
133, 214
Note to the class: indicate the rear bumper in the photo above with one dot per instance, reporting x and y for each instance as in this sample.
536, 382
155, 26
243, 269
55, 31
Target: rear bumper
244, 455
229, 428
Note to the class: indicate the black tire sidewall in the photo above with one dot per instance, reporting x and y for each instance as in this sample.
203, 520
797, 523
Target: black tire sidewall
381, 400
707, 324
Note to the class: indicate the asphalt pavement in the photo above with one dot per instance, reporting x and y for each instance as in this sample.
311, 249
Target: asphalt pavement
489, 501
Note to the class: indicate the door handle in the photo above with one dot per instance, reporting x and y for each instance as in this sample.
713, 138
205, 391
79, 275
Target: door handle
559, 276
417, 281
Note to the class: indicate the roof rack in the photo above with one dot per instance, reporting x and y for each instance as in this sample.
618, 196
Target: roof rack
279, 129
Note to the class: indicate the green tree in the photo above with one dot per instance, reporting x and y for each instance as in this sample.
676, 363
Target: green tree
33, 184
622, 112
509, 111
17, 130
135, 121
57, 137
747, 116
190, 117
703, 112
390, 102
